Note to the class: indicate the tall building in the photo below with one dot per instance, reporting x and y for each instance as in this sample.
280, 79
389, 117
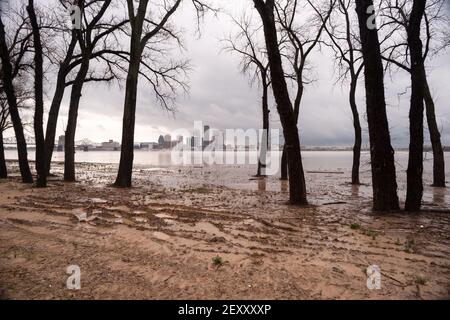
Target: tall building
161, 141
206, 135
61, 142
167, 141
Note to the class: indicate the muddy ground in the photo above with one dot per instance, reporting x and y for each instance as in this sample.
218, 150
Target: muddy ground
158, 239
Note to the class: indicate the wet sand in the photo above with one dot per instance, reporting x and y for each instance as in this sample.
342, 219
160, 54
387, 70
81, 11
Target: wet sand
157, 239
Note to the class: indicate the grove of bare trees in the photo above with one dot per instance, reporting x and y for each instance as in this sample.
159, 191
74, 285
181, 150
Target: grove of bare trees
129, 40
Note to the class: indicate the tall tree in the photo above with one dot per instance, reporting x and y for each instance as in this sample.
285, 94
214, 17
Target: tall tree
5, 124
345, 44
297, 186
301, 41
9, 73
93, 43
23, 96
145, 30
414, 190
66, 65
255, 65
435, 30
384, 182
41, 180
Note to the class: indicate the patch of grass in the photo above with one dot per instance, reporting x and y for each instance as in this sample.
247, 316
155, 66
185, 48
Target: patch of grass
370, 233
217, 261
199, 190
355, 226
409, 245
420, 280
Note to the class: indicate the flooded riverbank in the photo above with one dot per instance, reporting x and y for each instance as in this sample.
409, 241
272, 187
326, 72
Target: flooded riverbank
158, 239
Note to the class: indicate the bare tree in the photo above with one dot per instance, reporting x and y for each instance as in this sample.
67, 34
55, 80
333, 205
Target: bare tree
5, 124
93, 43
415, 161
23, 96
302, 39
147, 33
384, 182
255, 65
297, 186
12, 63
435, 30
65, 66
41, 180
345, 43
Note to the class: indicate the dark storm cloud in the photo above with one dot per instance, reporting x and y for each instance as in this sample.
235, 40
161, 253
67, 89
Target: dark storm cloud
222, 97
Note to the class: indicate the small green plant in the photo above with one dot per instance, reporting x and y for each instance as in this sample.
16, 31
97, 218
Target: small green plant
370, 233
409, 245
355, 226
420, 280
397, 242
217, 261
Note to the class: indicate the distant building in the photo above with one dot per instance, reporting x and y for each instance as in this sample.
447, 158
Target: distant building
167, 141
61, 143
110, 146
161, 141
206, 135
149, 145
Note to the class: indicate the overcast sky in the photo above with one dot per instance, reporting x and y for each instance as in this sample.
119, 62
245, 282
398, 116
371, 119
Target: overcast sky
221, 96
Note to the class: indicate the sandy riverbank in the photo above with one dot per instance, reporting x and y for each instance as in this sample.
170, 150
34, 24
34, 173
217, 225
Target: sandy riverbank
157, 239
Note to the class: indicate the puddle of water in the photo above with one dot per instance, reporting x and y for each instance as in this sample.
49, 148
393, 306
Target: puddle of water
98, 200
161, 235
163, 216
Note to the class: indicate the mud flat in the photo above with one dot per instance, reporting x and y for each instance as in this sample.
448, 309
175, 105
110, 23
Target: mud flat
158, 239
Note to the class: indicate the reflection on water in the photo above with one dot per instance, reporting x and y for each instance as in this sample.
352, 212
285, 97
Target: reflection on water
262, 184
355, 190
439, 195
284, 185
237, 175
312, 160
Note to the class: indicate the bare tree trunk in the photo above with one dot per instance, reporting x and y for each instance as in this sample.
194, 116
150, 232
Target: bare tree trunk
69, 139
435, 137
384, 182
41, 180
265, 137
284, 165
52, 121
357, 130
8, 87
415, 161
127, 149
297, 187
297, 102
3, 171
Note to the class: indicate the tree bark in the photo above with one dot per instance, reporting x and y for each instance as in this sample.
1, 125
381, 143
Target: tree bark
357, 130
41, 180
297, 102
52, 121
69, 139
3, 170
284, 165
127, 148
265, 137
8, 87
414, 190
435, 137
297, 187
384, 182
